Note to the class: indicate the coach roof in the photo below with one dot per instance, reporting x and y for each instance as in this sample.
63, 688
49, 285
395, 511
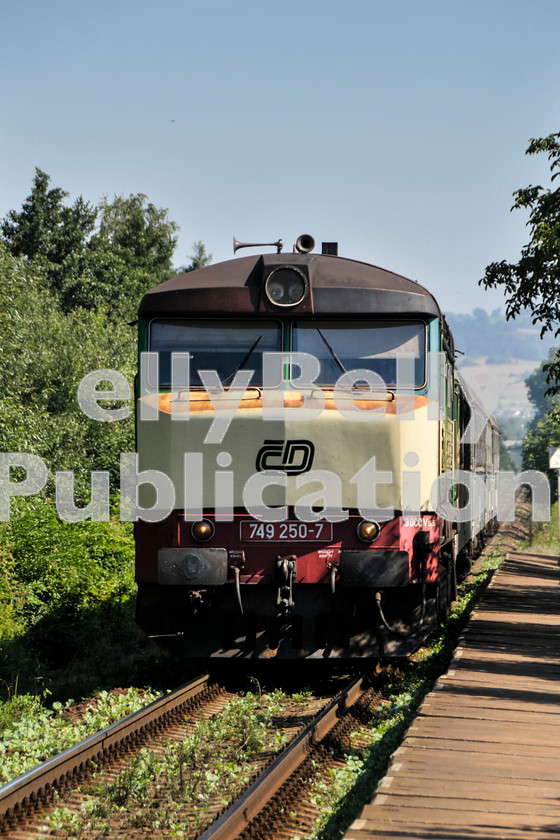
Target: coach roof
337, 285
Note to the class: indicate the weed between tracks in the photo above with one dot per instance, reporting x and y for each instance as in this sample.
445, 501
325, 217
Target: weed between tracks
179, 789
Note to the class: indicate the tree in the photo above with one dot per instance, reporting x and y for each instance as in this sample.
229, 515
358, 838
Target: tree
129, 253
533, 283
198, 260
544, 435
45, 226
44, 354
138, 232
537, 387
93, 256
49, 232
544, 431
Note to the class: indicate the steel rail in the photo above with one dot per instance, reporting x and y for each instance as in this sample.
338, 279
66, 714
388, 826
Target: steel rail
25, 792
237, 817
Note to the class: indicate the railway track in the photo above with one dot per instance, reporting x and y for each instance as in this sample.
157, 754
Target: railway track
27, 797
255, 814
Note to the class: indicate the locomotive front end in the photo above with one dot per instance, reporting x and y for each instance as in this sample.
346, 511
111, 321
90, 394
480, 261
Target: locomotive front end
293, 403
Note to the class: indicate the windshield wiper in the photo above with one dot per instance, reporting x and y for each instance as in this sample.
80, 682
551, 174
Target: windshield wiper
242, 363
331, 351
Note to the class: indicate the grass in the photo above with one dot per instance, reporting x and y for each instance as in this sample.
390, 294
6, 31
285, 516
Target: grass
544, 536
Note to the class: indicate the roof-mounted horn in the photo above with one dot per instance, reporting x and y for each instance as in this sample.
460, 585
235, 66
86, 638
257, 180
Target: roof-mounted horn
279, 244
304, 244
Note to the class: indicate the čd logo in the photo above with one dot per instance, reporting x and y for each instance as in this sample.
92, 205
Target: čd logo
291, 456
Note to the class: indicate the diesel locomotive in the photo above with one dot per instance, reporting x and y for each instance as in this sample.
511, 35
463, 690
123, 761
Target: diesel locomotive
307, 412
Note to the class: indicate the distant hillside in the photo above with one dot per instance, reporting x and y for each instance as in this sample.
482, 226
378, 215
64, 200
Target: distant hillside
499, 340
502, 387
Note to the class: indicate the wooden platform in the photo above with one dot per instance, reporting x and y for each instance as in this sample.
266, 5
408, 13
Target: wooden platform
482, 759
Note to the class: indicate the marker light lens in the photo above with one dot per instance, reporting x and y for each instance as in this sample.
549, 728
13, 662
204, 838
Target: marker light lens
203, 530
368, 531
285, 286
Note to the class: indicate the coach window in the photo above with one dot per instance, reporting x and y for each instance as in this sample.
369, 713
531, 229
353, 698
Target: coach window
363, 344
223, 346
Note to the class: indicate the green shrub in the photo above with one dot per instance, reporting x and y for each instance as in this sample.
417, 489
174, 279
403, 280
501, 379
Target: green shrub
67, 588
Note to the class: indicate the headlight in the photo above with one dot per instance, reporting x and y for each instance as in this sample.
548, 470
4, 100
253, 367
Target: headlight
285, 286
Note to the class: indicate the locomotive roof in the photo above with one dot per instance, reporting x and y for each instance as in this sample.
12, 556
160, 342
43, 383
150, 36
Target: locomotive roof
339, 286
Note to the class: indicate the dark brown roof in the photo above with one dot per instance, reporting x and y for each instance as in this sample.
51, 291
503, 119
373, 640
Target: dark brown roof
338, 285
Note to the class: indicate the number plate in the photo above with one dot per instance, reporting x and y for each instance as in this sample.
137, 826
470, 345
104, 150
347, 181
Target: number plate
250, 530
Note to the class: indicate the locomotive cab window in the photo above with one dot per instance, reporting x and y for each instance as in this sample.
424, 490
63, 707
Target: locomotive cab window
374, 346
223, 346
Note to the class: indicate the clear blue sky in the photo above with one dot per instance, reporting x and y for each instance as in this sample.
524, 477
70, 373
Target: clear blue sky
397, 127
